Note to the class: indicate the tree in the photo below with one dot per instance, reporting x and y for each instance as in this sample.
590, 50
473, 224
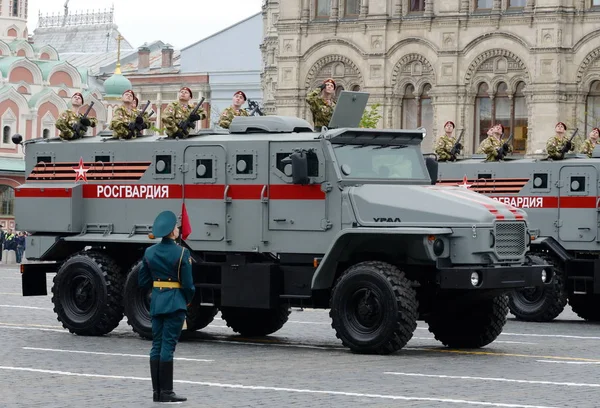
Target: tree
370, 117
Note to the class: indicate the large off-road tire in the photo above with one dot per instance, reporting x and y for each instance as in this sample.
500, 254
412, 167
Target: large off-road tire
198, 316
137, 308
540, 304
255, 322
374, 308
468, 326
88, 294
586, 306
137, 304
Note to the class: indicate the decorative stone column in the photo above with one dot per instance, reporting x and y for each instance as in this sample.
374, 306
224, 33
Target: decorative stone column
397, 8
335, 9
305, 14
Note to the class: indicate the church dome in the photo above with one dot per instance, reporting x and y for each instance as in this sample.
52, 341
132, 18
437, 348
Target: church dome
115, 85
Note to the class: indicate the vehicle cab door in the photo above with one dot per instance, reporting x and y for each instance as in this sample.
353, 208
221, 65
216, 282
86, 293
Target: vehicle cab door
293, 206
577, 202
204, 191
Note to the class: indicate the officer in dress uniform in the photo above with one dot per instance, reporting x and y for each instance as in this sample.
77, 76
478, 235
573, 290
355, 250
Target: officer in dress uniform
239, 98
67, 120
167, 268
322, 103
591, 142
446, 142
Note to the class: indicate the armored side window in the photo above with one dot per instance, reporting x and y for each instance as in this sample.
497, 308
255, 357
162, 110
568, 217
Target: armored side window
204, 168
540, 180
244, 164
484, 176
102, 158
163, 164
577, 183
45, 159
282, 166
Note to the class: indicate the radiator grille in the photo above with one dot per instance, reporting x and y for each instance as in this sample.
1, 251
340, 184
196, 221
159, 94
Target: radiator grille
511, 239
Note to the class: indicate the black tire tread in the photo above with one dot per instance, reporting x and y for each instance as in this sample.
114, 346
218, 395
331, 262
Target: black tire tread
476, 327
113, 277
255, 322
555, 300
406, 299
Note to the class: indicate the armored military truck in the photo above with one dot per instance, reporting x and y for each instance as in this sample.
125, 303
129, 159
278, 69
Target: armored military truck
282, 216
562, 200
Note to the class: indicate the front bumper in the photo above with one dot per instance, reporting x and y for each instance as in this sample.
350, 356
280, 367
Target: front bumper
502, 277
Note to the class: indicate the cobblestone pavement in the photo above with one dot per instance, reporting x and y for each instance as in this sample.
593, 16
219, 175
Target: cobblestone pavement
303, 365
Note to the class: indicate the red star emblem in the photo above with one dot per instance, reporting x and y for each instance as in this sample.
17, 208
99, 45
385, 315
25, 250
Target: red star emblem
464, 184
80, 171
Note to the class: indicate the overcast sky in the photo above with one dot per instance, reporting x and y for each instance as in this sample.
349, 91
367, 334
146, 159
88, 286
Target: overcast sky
178, 22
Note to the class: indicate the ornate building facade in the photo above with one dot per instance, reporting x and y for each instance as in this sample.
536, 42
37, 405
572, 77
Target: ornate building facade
35, 87
524, 63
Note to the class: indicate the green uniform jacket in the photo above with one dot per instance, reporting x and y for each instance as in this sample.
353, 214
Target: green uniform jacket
490, 146
555, 145
588, 147
228, 115
444, 147
175, 113
67, 120
321, 110
162, 262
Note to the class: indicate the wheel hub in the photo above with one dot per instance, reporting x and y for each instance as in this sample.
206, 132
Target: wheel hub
83, 294
532, 295
367, 308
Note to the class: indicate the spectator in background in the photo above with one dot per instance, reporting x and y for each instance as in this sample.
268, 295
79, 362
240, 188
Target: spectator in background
20, 243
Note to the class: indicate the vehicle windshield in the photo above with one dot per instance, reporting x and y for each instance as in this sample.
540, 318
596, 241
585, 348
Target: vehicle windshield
380, 162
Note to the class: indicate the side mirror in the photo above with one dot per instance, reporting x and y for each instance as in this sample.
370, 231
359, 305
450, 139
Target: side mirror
299, 163
432, 168
17, 139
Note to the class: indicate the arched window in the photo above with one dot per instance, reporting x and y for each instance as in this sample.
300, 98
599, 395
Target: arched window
356, 88
338, 90
409, 108
7, 199
6, 134
592, 118
426, 110
483, 113
46, 133
502, 108
519, 119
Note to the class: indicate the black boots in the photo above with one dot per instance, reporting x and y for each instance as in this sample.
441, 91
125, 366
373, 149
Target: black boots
166, 383
155, 379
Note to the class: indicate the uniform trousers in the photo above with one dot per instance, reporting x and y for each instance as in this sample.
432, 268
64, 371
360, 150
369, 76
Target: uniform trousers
166, 329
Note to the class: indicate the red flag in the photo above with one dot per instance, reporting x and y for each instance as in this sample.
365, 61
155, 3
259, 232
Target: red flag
186, 226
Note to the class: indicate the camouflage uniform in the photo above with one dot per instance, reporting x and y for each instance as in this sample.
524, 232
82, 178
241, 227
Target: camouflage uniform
120, 123
67, 120
228, 115
443, 147
554, 146
174, 114
320, 109
490, 146
588, 146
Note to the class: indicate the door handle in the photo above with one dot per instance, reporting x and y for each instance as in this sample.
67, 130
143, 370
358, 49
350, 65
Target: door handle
279, 219
211, 223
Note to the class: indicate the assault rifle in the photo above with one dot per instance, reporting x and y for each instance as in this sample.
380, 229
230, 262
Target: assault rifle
568, 145
253, 105
80, 127
184, 125
457, 146
139, 120
503, 150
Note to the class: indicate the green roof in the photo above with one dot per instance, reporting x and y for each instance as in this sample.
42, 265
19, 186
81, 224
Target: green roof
115, 86
6, 62
12, 164
33, 100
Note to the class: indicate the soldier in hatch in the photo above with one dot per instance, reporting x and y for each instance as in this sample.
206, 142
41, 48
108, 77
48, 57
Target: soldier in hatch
322, 103
70, 117
124, 117
591, 142
180, 111
446, 142
493, 143
239, 98
556, 143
